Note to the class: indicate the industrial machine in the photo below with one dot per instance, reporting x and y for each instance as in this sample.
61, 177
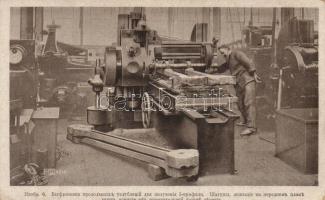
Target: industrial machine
298, 86
24, 90
159, 87
293, 58
287, 99
297, 103
63, 67
23, 94
258, 36
23, 72
287, 64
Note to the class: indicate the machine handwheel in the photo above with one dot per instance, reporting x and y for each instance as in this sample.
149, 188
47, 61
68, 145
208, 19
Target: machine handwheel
146, 110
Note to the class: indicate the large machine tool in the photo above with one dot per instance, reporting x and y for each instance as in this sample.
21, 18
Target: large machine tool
23, 95
64, 67
29, 154
298, 45
297, 138
286, 59
158, 86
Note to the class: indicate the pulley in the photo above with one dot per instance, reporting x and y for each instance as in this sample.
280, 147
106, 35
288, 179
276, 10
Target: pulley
110, 66
17, 54
207, 54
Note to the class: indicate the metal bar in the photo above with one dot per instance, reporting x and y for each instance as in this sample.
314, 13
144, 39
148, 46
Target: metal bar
81, 25
183, 78
180, 65
170, 72
97, 101
181, 54
120, 141
125, 152
170, 171
167, 43
80, 68
180, 46
180, 57
213, 79
133, 131
278, 106
273, 27
177, 163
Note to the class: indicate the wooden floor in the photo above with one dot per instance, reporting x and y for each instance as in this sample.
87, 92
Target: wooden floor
255, 162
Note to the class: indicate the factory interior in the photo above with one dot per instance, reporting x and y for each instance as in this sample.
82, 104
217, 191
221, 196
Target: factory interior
120, 96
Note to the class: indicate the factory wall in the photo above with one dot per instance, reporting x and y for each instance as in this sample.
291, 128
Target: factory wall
14, 23
233, 20
98, 26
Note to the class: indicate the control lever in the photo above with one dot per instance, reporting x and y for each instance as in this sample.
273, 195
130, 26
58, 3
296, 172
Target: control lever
98, 86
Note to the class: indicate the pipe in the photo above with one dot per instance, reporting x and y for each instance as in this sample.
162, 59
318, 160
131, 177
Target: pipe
180, 65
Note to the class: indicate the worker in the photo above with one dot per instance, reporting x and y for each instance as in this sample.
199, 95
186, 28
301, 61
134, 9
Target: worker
243, 69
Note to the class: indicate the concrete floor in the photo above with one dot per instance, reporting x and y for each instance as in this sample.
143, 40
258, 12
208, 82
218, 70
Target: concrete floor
80, 164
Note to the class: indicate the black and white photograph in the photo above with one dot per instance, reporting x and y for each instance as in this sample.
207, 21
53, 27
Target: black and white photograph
163, 96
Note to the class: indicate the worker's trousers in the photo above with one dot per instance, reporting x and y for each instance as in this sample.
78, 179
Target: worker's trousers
247, 103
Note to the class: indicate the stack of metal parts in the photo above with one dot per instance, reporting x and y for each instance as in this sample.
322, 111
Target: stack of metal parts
192, 89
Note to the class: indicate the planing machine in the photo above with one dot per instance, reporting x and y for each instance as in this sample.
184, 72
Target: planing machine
153, 86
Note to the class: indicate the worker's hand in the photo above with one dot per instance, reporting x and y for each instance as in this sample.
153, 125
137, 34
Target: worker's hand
257, 78
209, 71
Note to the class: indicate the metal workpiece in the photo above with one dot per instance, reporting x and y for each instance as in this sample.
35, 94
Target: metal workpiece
177, 163
165, 65
212, 78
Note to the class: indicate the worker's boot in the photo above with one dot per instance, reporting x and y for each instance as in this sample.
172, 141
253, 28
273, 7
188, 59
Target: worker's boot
248, 131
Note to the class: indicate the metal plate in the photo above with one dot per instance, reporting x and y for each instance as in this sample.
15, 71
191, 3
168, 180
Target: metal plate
110, 67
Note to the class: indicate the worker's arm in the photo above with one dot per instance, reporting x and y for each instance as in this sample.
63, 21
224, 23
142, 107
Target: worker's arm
245, 61
222, 65
220, 69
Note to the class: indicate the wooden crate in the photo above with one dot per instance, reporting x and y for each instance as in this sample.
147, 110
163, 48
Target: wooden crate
297, 138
